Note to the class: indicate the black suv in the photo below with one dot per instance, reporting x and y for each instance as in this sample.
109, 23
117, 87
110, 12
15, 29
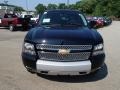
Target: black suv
63, 44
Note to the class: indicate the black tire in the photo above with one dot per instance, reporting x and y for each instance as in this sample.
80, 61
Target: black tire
12, 28
94, 72
30, 70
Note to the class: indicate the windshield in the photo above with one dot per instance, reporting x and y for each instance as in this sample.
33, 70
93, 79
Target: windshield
28, 16
63, 18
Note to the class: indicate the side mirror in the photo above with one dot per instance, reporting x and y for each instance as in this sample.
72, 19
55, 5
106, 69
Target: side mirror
92, 24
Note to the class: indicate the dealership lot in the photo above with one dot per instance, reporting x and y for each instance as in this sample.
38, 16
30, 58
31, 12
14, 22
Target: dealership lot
13, 75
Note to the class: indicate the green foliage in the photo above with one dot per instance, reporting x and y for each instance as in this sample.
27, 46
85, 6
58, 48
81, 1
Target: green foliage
99, 7
89, 7
62, 6
52, 6
72, 6
40, 8
18, 9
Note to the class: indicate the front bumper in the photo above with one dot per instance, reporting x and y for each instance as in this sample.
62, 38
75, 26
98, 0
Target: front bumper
63, 68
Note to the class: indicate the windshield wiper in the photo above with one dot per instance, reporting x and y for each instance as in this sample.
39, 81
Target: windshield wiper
60, 25
74, 24
51, 25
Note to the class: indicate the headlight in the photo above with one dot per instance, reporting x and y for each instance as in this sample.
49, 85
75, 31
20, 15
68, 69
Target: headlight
99, 47
105, 21
29, 48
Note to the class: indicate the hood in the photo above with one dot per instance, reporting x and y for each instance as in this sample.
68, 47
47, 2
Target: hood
64, 36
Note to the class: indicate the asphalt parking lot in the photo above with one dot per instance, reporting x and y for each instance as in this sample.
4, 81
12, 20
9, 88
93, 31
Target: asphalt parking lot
13, 75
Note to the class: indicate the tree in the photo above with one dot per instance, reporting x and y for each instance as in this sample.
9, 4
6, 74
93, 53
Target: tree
62, 6
86, 6
52, 6
89, 7
72, 6
114, 8
18, 9
40, 8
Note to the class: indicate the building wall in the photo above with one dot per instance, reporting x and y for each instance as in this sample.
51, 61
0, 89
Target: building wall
6, 9
2, 12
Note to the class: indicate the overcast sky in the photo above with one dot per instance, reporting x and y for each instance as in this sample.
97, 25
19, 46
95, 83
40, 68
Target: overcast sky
33, 3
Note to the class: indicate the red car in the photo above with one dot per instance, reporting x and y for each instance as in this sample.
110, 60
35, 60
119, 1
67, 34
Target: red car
99, 22
13, 22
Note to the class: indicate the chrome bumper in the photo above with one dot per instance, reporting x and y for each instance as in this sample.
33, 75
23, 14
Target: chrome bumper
63, 68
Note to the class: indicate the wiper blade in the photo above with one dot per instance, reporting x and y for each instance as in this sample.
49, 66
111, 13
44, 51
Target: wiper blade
75, 24
51, 25
60, 25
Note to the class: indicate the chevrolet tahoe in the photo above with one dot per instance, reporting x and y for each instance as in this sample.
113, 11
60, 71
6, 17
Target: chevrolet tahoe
63, 43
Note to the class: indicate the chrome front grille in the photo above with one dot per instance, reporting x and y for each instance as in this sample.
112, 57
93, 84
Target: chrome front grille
46, 52
70, 47
71, 57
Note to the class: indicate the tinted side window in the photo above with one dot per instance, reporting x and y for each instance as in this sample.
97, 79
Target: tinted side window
6, 16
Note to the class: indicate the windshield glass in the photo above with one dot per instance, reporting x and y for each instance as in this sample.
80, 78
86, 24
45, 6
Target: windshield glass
28, 16
63, 18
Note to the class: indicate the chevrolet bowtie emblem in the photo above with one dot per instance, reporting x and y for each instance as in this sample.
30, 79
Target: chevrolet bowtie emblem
64, 51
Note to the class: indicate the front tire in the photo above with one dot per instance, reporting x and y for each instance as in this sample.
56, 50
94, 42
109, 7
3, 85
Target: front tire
12, 28
94, 72
30, 71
